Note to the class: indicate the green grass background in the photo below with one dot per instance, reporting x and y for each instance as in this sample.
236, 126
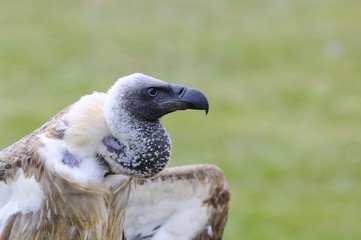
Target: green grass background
282, 78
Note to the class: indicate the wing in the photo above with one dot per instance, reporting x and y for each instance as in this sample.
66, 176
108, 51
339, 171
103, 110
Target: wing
20, 173
46, 191
189, 202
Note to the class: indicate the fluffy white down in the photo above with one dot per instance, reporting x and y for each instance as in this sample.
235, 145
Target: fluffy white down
176, 206
5, 193
89, 171
86, 126
26, 196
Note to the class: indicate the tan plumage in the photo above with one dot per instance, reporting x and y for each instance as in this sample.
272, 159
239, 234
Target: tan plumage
64, 182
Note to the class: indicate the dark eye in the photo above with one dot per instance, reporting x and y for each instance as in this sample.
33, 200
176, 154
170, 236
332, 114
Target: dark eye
152, 92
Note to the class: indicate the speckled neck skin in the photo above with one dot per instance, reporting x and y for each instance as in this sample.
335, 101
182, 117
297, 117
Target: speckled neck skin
144, 149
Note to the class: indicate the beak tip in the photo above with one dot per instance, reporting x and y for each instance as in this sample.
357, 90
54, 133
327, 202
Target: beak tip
192, 98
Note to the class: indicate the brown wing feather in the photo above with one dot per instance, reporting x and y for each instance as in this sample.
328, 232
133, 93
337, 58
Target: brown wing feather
117, 207
219, 200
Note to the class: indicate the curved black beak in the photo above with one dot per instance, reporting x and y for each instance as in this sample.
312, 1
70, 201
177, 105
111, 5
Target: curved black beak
189, 98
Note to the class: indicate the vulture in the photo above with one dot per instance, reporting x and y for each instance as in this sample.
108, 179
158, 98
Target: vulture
97, 170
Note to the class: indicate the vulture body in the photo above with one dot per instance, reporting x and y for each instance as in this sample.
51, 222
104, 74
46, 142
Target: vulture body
95, 171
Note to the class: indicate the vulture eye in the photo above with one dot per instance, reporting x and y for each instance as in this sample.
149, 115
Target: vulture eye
152, 92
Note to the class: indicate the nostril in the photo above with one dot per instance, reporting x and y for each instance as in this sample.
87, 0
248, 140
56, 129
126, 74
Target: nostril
181, 92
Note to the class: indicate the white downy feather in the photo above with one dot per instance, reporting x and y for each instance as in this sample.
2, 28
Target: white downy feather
168, 209
88, 171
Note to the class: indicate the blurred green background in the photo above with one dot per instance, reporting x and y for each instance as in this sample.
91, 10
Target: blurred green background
282, 77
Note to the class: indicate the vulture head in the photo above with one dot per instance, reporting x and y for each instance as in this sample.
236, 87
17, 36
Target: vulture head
138, 145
